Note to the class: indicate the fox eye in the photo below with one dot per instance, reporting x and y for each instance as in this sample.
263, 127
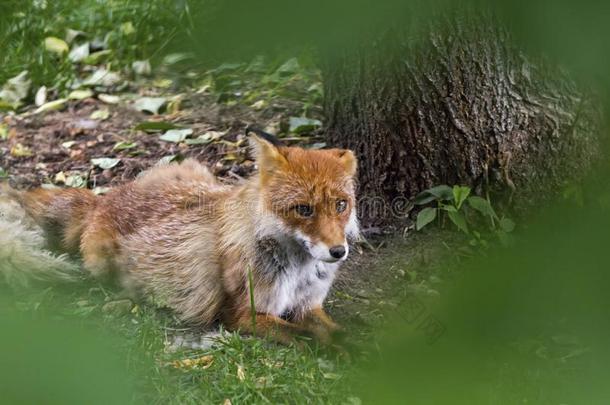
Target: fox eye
304, 210
341, 206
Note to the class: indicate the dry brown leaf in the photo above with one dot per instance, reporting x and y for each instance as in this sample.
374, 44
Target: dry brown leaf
20, 151
203, 362
241, 373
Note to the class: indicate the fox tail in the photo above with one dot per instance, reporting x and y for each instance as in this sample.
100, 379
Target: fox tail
36, 224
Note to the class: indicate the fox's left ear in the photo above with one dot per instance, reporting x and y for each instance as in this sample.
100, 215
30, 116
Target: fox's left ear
348, 159
266, 152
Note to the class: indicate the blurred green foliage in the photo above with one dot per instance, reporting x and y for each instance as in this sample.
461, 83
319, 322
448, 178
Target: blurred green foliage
131, 30
525, 325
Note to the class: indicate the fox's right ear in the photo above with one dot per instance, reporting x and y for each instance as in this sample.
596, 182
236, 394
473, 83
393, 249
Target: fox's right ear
265, 149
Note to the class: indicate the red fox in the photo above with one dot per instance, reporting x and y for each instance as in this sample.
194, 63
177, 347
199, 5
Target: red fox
203, 247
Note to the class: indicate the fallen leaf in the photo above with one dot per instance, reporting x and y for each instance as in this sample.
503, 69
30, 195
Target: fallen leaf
166, 160
259, 105
60, 178
203, 362
20, 151
124, 145
155, 126
100, 190
174, 104
56, 45
68, 144
105, 163
150, 104
71, 35
102, 77
52, 106
208, 137
101, 115
16, 89
96, 58
241, 373
109, 98
302, 124
162, 83
80, 94
75, 181
78, 53
141, 67
176, 135
41, 96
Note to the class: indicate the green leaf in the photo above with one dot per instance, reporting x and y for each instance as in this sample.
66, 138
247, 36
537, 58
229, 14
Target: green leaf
507, 225
442, 193
155, 126
150, 104
300, 125
80, 94
124, 145
459, 220
206, 138
52, 106
425, 216
424, 198
460, 193
449, 208
176, 135
109, 98
101, 115
482, 205
56, 45
97, 57
105, 163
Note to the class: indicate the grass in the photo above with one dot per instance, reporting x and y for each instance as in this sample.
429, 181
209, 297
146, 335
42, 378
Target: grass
237, 368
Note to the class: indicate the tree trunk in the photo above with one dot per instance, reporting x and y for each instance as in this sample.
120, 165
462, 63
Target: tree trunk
460, 105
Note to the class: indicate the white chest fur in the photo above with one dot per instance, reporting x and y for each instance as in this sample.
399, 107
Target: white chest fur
301, 287
295, 283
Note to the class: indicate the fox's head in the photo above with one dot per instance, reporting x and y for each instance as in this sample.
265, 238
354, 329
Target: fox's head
311, 195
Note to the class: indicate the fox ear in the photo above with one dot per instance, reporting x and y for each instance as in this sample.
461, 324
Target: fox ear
348, 160
267, 154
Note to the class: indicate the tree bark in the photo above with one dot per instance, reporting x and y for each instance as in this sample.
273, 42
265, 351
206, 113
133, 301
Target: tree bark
456, 103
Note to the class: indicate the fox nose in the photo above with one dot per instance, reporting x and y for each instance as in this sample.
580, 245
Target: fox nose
337, 251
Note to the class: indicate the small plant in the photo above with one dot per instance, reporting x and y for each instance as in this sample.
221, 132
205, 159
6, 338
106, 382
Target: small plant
467, 212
